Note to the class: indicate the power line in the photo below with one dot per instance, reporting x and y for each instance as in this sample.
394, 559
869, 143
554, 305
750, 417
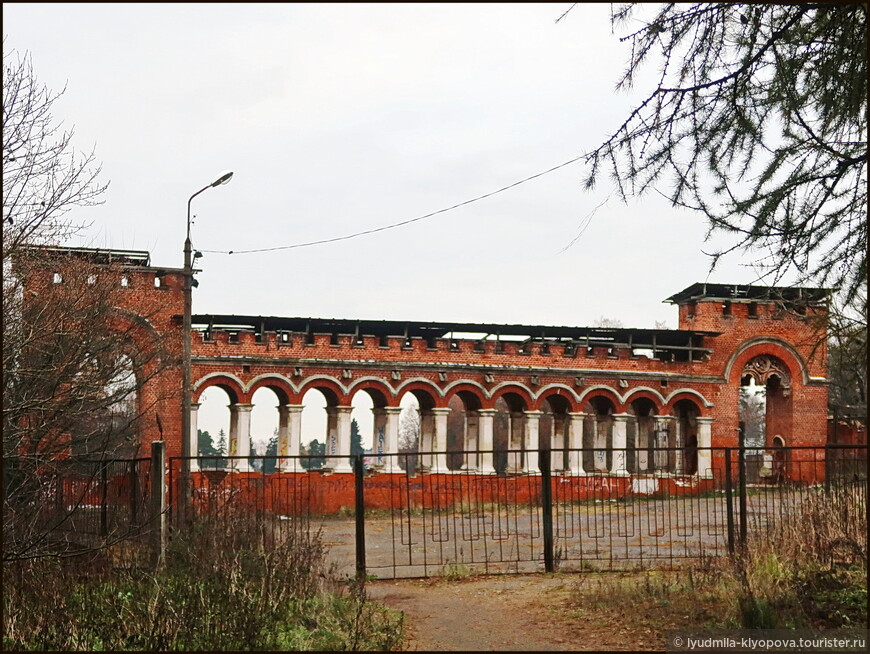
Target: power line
404, 222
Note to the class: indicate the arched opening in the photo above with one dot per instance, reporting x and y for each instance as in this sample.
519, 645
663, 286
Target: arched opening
778, 462
418, 433
641, 437
598, 434
409, 433
213, 427
319, 428
765, 411
509, 424
265, 428
362, 424
463, 424
104, 422
685, 457
554, 430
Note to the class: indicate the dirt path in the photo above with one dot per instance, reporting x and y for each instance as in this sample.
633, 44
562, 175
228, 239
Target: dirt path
497, 613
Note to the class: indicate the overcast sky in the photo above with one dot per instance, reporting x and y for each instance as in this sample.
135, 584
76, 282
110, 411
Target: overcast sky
342, 118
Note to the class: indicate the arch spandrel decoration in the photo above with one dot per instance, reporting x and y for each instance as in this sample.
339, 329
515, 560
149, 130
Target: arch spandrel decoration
763, 367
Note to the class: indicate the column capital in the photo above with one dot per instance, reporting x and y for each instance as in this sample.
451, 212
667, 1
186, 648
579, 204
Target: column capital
243, 408
343, 409
195, 405
533, 414
622, 417
486, 412
441, 410
578, 414
664, 417
704, 419
292, 408
391, 409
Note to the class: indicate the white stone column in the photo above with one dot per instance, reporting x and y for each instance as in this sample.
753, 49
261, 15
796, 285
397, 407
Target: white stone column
662, 439
342, 459
240, 436
290, 436
331, 437
379, 439
426, 440
194, 436
516, 442
472, 423
575, 443
533, 420
391, 433
705, 440
617, 464
485, 426
439, 440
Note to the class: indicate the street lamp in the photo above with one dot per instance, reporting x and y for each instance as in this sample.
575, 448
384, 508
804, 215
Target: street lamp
185, 383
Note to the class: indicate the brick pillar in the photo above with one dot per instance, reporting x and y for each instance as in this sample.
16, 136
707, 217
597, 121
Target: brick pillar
439, 441
533, 419
516, 442
486, 438
575, 443
341, 460
290, 430
620, 423
391, 434
472, 423
194, 436
705, 456
240, 436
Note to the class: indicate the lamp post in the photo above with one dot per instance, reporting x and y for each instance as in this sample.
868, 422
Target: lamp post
185, 382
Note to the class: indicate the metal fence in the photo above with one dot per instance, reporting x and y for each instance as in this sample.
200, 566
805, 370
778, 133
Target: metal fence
405, 519
72, 506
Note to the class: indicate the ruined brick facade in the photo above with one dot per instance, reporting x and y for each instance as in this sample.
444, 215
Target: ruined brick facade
615, 389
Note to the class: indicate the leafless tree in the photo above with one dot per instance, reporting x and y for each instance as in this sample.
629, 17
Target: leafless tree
75, 360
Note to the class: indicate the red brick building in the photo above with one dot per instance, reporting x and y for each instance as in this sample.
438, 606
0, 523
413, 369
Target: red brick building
618, 393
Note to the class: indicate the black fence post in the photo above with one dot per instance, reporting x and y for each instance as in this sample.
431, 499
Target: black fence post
741, 481
547, 509
729, 500
104, 509
158, 503
134, 492
828, 467
358, 477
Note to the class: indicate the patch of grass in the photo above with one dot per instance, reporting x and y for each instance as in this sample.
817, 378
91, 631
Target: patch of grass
808, 571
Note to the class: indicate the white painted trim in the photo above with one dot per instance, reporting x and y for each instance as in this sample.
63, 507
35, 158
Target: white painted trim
469, 382
270, 375
305, 381
437, 391
633, 391
380, 382
598, 387
212, 375
541, 392
689, 391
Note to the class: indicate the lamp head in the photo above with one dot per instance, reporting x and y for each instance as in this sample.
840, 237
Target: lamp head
223, 179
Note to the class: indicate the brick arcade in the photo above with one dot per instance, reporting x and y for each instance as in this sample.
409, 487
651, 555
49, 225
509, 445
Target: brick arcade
615, 394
